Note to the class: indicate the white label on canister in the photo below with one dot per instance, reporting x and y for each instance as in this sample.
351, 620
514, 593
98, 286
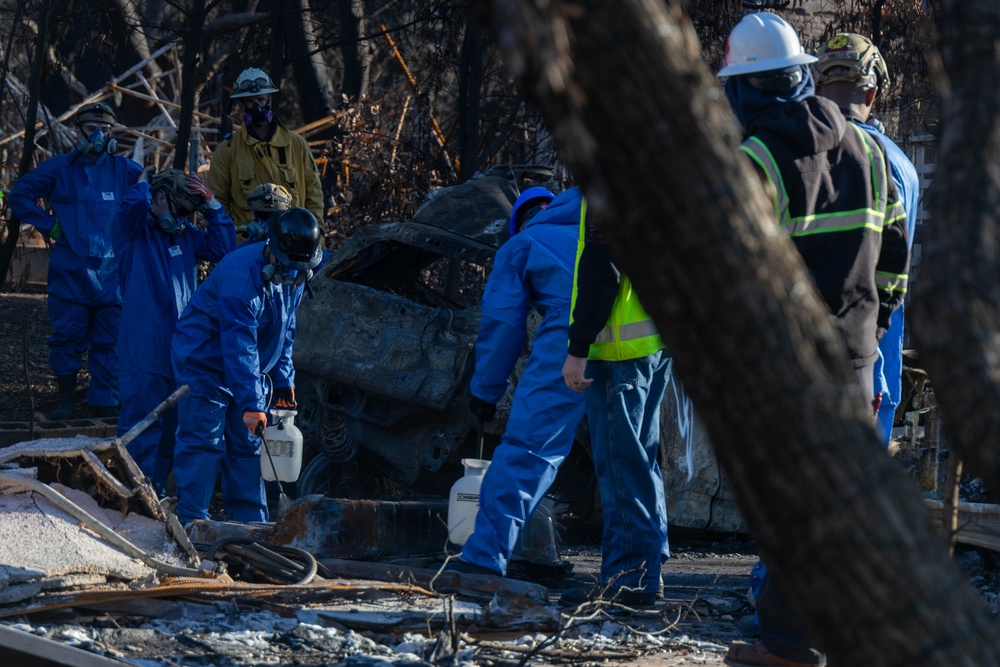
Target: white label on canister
280, 448
467, 497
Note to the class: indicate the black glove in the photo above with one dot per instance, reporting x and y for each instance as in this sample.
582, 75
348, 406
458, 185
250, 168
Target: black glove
483, 411
284, 398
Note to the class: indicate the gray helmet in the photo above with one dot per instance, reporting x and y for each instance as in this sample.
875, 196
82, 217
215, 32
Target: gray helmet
251, 83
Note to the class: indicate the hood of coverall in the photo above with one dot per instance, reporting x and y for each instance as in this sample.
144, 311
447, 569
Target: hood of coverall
563, 210
748, 101
814, 124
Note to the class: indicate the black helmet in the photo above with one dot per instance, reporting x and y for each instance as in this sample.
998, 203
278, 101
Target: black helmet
294, 237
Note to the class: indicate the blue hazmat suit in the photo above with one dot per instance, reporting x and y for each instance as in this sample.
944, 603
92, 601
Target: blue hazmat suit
889, 366
235, 332
84, 301
159, 273
534, 269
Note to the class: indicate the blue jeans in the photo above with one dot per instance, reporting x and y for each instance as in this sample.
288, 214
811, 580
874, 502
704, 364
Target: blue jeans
623, 410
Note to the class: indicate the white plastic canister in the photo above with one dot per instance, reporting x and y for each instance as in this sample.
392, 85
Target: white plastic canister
284, 443
463, 501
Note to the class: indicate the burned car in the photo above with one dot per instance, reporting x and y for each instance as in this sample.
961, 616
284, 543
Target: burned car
383, 351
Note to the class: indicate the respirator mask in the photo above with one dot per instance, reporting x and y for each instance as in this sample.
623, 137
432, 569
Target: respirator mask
257, 115
276, 274
97, 141
256, 229
169, 222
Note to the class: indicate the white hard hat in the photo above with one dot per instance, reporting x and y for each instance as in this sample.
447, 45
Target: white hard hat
763, 42
251, 83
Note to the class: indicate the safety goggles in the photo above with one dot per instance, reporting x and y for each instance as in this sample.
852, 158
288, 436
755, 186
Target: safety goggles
253, 85
89, 127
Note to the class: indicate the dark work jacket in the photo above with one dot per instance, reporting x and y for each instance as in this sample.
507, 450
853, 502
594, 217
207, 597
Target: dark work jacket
835, 197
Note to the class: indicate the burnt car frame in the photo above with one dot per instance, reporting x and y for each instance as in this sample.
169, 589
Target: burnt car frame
384, 351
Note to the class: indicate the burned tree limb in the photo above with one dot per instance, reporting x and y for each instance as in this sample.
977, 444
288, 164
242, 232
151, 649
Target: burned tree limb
644, 126
956, 314
34, 84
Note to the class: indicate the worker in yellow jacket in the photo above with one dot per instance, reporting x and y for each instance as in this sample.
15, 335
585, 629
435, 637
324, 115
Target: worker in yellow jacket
262, 151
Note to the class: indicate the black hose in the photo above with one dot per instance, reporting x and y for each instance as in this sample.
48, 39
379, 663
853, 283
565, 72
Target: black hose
278, 563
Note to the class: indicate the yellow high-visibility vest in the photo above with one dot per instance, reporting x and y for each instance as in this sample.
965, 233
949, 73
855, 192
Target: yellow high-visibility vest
630, 333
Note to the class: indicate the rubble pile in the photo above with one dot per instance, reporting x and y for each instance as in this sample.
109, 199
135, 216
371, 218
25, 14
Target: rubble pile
223, 635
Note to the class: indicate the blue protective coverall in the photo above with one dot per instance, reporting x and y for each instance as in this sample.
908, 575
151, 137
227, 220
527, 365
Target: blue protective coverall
235, 329
159, 273
532, 269
84, 300
889, 366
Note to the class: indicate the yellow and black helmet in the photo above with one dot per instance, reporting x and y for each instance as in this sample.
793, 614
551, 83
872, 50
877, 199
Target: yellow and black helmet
269, 197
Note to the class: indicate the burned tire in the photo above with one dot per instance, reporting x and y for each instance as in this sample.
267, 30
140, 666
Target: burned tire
320, 476
311, 414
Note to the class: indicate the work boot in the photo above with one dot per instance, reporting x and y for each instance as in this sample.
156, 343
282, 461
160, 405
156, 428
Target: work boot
67, 395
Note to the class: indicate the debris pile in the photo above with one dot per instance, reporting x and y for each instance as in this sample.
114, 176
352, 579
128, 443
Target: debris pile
56, 536
224, 635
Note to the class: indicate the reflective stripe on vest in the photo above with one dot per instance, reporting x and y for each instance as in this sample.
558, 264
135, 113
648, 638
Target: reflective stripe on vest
630, 332
870, 218
891, 282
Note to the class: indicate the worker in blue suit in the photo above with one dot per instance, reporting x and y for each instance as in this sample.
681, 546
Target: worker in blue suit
83, 189
851, 71
235, 333
534, 269
159, 250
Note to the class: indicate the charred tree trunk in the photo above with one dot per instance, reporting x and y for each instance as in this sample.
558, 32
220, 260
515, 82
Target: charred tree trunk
31, 118
278, 35
306, 71
470, 77
15, 24
189, 80
645, 128
470, 80
350, 27
956, 314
